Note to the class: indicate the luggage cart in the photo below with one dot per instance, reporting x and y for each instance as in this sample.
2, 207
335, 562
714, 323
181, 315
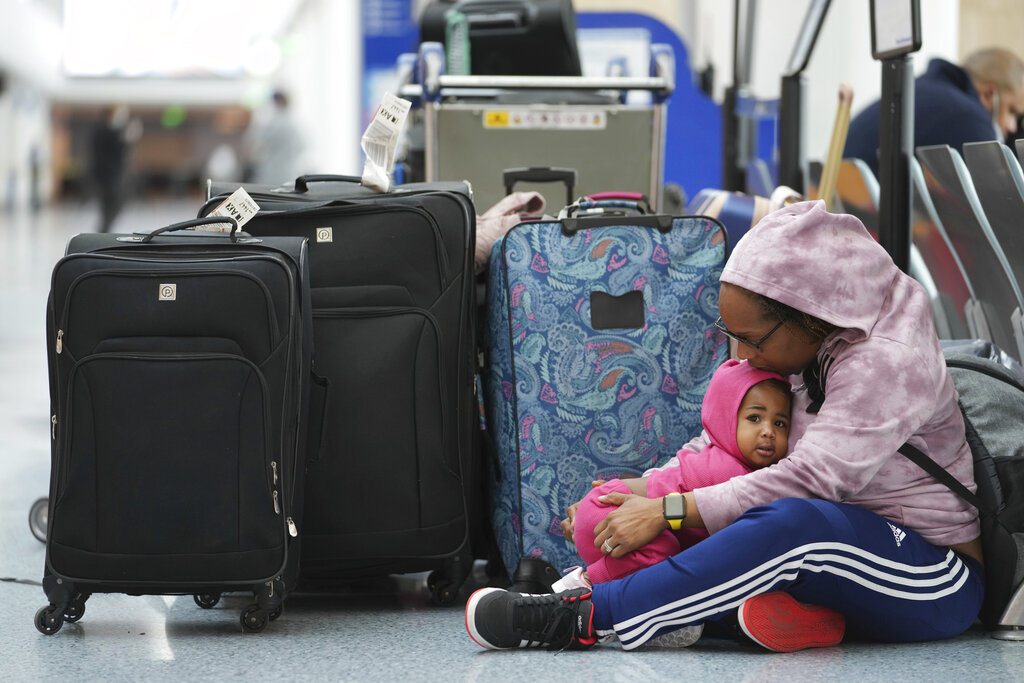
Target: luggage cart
475, 127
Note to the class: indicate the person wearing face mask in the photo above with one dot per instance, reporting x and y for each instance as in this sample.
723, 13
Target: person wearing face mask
979, 100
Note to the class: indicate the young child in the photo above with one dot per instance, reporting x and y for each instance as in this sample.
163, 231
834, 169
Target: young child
746, 413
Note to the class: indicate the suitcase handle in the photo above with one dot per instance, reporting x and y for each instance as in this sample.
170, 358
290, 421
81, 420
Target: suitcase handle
541, 174
628, 196
303, 181
195, 222
611, 207
660, 222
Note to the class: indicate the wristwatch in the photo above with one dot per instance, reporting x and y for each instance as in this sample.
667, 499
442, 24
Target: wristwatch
673, 507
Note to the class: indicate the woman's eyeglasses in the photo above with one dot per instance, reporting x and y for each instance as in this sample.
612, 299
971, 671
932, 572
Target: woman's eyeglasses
756, 344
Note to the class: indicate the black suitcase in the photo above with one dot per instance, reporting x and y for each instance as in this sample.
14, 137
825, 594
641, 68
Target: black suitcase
511, 37
179, 375
393, 483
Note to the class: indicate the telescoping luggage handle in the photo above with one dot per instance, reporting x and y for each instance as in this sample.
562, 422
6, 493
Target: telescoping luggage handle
541, 174
194, 223
608, 203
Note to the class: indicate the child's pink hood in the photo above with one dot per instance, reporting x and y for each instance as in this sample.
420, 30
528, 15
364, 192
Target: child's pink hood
730, 383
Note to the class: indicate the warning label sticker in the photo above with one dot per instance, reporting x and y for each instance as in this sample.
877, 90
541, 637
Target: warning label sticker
532, 119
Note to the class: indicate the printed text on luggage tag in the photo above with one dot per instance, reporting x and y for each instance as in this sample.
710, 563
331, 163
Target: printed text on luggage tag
239, 206
380, 141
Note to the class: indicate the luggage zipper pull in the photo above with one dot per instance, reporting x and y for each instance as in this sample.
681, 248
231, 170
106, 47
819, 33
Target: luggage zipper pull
273, 466
277, 506
60, 341
53, 427
293, 531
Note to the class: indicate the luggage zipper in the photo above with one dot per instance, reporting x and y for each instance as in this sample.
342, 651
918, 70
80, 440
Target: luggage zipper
60, 341
277, 502
293, 530
53, 427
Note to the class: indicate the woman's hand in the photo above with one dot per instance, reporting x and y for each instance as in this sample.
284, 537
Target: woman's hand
636, 522
569, 523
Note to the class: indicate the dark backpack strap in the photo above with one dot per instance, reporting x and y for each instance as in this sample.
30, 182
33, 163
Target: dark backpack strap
939, 472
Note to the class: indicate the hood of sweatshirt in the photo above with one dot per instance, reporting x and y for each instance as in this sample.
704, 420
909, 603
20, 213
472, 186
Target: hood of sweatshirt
781, 258
725, 393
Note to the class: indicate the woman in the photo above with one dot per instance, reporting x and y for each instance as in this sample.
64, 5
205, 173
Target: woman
844, 527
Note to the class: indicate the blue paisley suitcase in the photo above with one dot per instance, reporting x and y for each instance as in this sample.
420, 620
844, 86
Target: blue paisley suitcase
601, 341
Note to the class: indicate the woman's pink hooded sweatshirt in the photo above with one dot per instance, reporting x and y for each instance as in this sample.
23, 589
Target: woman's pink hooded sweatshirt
885, 381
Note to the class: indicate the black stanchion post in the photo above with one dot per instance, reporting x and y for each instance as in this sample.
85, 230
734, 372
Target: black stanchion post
895, 36
738, 133
895, 145
732, 174
792, 147
792, 150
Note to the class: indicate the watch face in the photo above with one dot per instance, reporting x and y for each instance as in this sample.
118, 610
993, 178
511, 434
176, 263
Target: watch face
674, 507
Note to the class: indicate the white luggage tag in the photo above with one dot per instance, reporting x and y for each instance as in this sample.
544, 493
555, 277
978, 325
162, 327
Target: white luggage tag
239, 206
380, 141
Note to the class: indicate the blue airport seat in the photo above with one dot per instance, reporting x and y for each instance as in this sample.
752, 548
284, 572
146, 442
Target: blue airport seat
857, 194
952, 192
999, 183
932, 242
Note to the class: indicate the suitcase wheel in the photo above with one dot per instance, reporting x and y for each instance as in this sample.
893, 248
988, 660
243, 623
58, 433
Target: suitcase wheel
207, 600
37, 518
49, 620
254, 619
75, 609
443, 591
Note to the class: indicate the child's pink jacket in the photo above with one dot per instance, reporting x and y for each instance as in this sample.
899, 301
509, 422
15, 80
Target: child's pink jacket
717, 462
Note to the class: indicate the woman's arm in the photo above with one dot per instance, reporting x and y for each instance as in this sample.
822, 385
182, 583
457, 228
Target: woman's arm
637, 521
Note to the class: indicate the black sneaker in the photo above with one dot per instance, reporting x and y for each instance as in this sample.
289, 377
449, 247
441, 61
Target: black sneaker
498, 619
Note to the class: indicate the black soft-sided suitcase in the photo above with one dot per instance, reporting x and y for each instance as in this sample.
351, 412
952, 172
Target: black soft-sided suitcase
393, 483
179, 368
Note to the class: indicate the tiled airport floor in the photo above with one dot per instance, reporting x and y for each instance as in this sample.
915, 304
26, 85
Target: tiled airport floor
384, 631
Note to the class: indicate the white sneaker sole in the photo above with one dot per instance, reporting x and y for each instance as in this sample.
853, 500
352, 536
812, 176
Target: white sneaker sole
683, 637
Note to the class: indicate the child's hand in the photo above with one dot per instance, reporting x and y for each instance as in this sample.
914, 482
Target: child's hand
569, 523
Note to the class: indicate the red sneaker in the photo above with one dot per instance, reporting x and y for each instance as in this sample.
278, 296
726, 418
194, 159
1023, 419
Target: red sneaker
778, 622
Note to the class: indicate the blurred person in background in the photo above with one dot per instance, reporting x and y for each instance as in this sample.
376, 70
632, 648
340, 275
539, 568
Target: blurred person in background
111, 142
274, 144
979, 100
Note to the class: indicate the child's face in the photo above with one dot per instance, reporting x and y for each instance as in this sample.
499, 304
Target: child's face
762, 428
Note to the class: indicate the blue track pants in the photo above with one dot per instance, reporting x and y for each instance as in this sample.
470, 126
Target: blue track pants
890, 583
